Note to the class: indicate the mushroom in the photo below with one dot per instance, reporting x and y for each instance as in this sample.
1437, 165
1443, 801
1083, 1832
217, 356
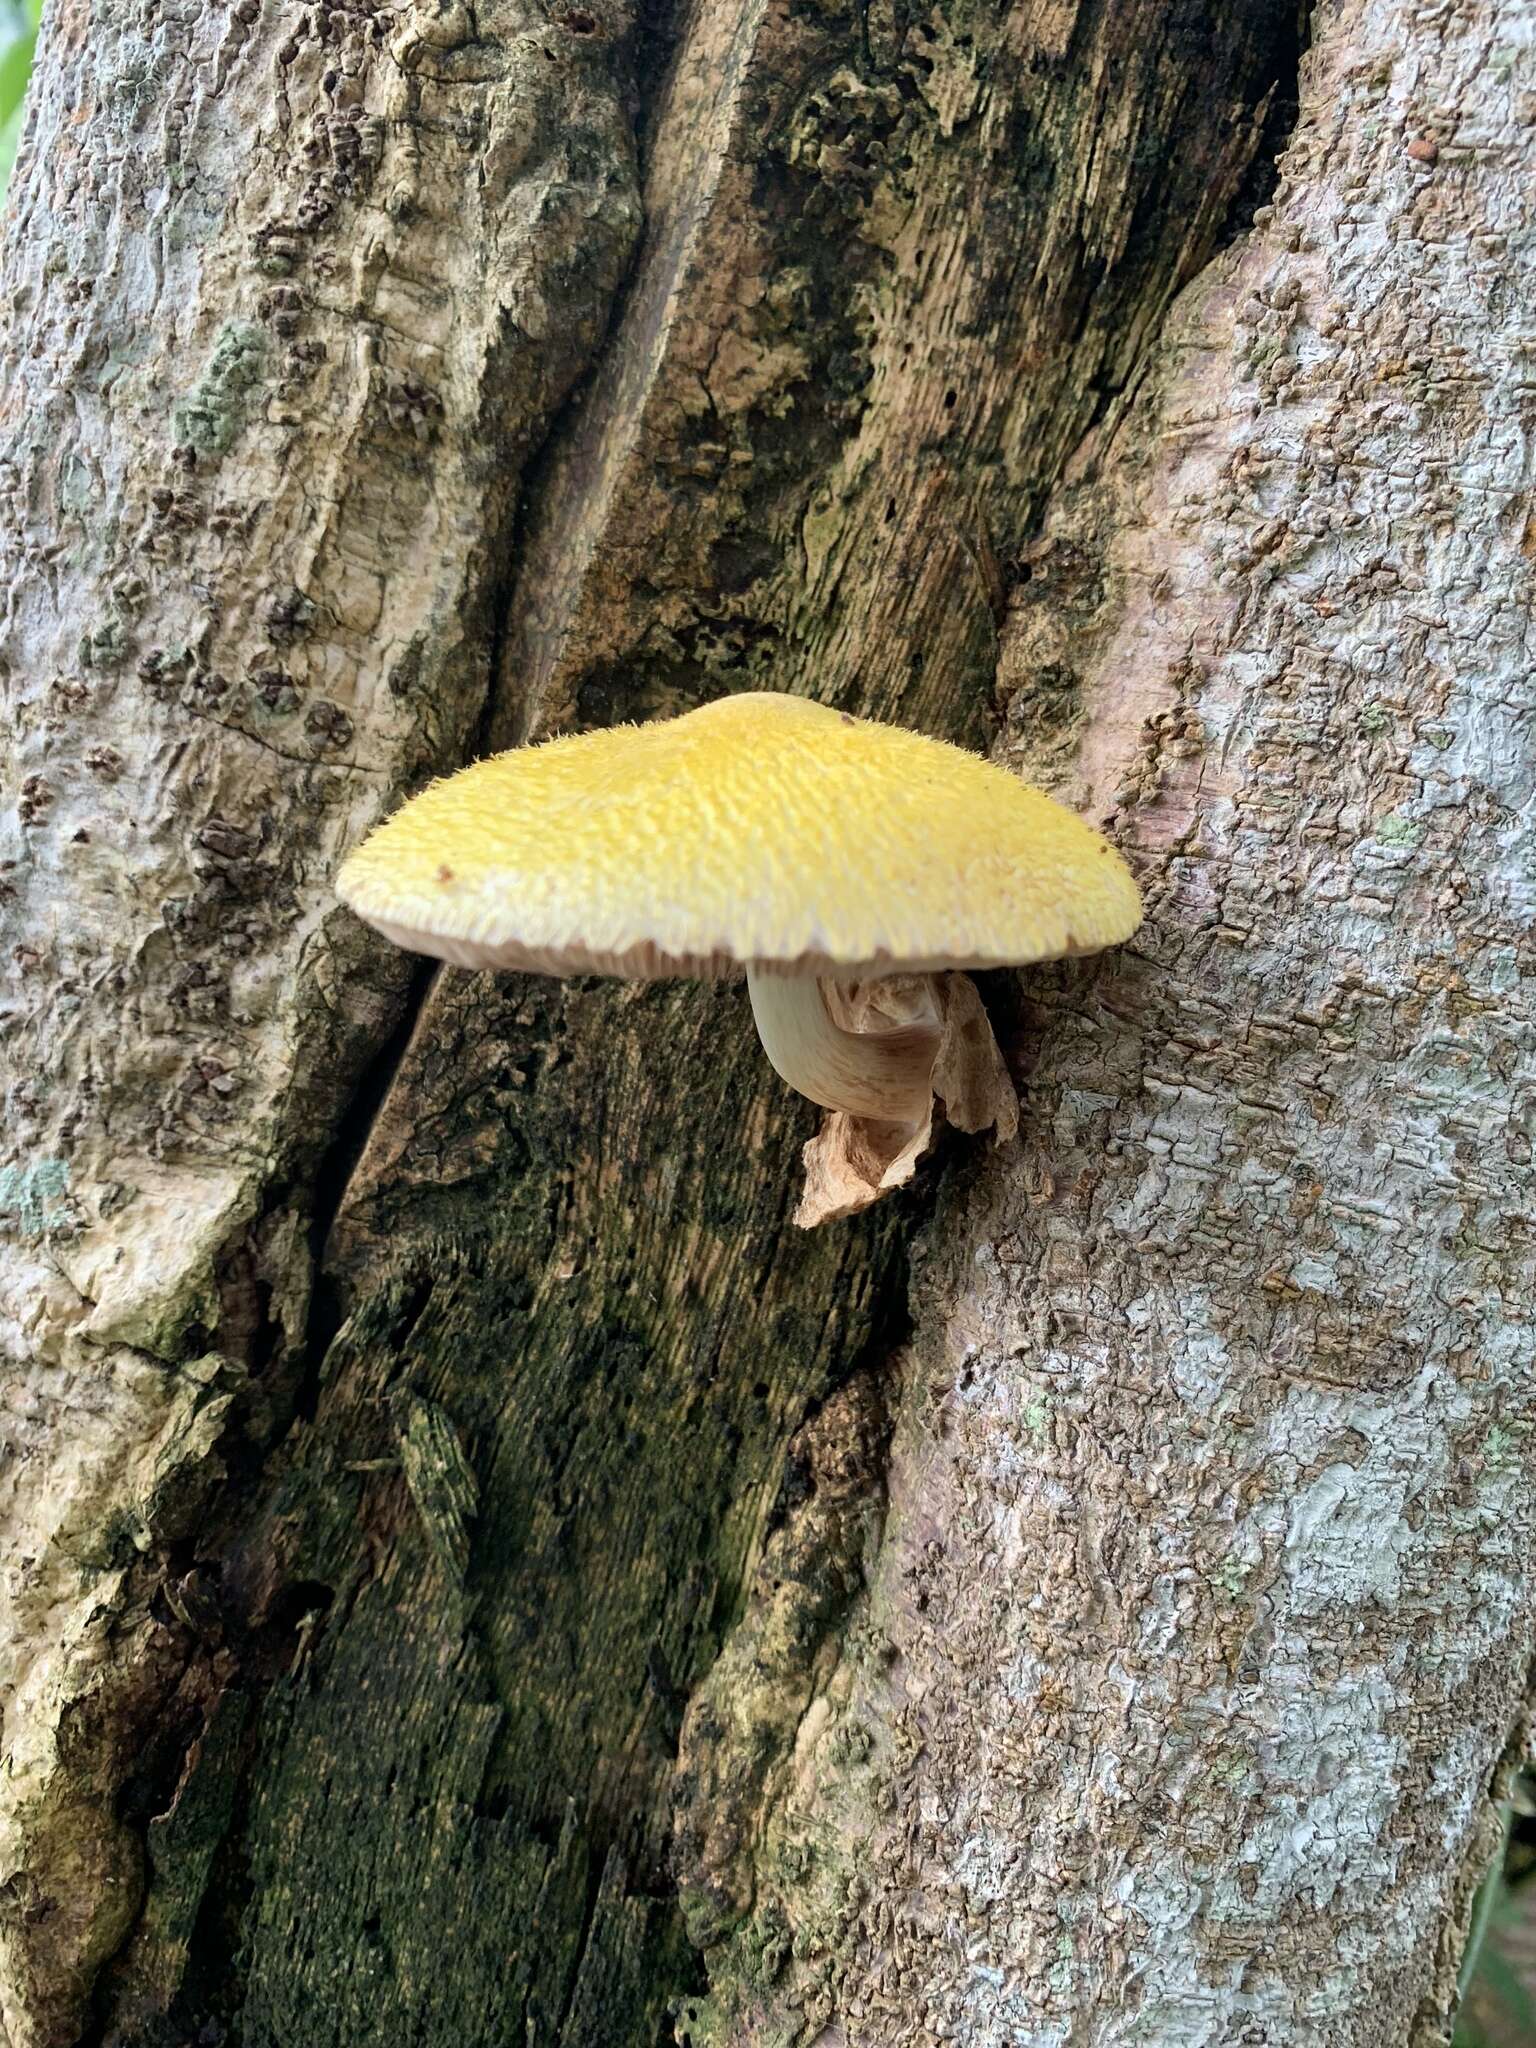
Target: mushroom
848, 867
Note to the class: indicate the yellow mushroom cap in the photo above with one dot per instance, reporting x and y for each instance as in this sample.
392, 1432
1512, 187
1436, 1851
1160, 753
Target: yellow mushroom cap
761, 828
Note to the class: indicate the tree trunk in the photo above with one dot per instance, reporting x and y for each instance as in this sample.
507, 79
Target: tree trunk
472, 1570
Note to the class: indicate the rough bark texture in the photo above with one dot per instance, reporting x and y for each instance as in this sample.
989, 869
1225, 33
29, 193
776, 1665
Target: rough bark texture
1170, 1709
472, 1571
289, 296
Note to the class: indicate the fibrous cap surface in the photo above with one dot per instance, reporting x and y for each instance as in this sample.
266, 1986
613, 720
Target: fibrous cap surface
760, 828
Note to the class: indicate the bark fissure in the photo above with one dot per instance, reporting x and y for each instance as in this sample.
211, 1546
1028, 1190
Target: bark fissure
463, 1449
1204, 1599
350, 1138
1293, 39
265, 422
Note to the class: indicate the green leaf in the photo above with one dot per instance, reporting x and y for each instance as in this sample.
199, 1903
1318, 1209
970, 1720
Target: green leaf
15, 70
1513, 1996
18, 46
10, 135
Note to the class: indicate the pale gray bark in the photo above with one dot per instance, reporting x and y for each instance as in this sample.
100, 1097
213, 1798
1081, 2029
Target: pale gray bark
287, 299
1190, 1608
1203, 1608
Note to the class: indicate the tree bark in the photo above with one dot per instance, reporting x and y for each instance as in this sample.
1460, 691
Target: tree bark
472, 1570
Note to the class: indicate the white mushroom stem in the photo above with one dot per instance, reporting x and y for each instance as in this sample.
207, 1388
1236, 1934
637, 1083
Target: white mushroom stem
887, 1074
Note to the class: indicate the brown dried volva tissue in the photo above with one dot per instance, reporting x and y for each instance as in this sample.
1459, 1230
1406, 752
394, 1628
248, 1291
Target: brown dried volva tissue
852, 1161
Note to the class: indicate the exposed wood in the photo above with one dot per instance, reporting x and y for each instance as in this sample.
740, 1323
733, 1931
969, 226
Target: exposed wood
386, 1478
571, 1227
1172, 1708
289, 296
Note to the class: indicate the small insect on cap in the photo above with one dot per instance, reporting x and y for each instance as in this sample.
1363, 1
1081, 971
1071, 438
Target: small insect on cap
760, 830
